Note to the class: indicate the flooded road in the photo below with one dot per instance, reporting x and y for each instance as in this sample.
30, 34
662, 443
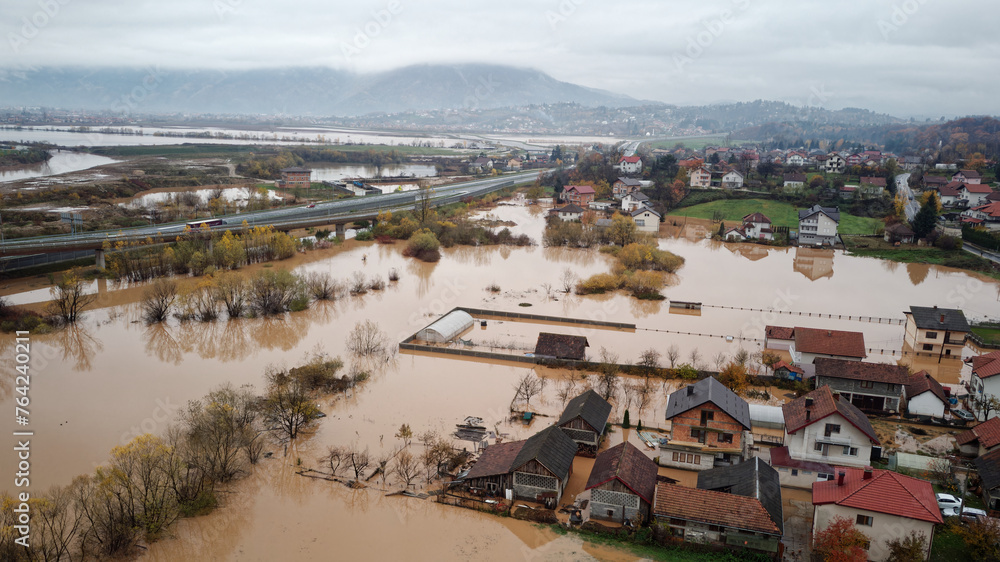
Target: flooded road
111, 378
62, 162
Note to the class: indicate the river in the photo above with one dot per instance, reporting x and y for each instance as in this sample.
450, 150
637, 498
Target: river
62, 162
111, 377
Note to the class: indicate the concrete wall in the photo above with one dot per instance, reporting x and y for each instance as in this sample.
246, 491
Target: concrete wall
926, 404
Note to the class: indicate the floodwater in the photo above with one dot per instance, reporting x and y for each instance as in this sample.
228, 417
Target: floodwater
236, 195
62, 162
336, 172
110, 378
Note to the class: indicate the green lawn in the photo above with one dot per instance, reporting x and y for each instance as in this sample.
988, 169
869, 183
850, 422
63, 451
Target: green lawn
959, 259
947, 546
780, 213
990, 335
694, 143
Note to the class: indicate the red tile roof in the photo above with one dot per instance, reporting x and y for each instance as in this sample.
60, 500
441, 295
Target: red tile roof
923, 382
629, 159
756, 217
991, 209
630, 466
779, 333
713, 508
987, 433
986, 366
824, 404
791, 368
830, 342
580, 188
885, 492
978, 188
860, 371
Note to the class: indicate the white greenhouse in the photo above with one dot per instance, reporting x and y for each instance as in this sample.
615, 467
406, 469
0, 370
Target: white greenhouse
447, 328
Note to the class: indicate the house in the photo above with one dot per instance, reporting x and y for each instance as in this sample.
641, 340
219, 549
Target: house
701, 178
871, 387
981, 439
933, 182
561, 346
580, 195
848, 191
818, 225
514, 164
855, 159
794, 180
732, 180
988, 467
624, 186
783, 370
899, 233
716, 518
568, 213
622, 484
796, 159
985, 384
734, 234
880, 503
778, 337
797, 473
811, 343
492, 472
709, 426
758, 227
949, 194
967, 176
646, 219
751, 479
603, 205
987, 215
536, 469
584, 419
911, 163
824, 428
976, 194
633, 201
295, 177
936, 331
835, 164
925, 396
481, 164
630, 164
872, 186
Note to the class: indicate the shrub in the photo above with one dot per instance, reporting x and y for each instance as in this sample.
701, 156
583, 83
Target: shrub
393, 274
364, 236
424, 246
598, 284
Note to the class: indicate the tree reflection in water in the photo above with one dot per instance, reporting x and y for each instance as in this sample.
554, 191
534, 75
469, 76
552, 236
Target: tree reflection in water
76, 342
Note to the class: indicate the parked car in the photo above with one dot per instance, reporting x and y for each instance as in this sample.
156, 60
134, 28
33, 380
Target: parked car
948, 504
971, 514
963, 414
311, 205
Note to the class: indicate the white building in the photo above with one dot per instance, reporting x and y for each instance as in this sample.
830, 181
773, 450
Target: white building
925, 396
732, 180
985, 383
822, 428
818, 225
646, 219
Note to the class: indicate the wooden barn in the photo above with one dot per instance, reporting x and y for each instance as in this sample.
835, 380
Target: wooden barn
584, 420
561, 346
536, 469
622, 484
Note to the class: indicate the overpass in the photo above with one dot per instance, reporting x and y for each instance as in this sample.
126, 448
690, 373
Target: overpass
336, 213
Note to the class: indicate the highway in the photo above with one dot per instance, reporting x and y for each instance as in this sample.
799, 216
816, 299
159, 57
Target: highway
329, 212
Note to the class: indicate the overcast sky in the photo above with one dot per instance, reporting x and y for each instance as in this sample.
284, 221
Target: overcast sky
904, 57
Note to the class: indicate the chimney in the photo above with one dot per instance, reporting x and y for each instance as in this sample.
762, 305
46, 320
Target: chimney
808, 412
840, 478
829, 333
809, 402
836, 397
942, 318
690, 389
868, 473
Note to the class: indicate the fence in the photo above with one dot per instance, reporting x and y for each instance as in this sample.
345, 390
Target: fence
858, 318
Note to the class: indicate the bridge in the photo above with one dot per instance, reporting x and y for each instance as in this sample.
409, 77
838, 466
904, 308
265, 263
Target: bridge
48, 249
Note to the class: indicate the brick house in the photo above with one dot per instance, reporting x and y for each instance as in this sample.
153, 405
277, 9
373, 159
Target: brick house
709, 426
295, 177
584, 420
622, 484
580, 195
871, 387
624, 186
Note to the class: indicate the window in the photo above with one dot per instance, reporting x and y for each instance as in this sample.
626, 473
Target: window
698, 434
687, 458
818, 446
865, 520
832, 428
611, 513
707, 416
823, 477
640, 222
891, 387
867, 384
932, 335
678, 522
725, 438
795, 472
850, 451
928, 347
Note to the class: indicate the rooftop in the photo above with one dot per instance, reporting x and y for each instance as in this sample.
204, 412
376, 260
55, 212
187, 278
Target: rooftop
987, 433
630, 466
986, 366
753, 478
830, 342
923, 382
590, 407
861, 371
934, 318
496, 459
832, 212
713, 508
779, 332
988, 466
561, 346
552, 448
824, 404
883, 492
709, 390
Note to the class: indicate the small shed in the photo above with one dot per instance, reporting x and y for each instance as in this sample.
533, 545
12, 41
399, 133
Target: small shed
584, 420
561, 346
447, 327
767, 416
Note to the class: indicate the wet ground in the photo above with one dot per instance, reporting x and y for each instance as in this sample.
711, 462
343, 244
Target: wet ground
110, 378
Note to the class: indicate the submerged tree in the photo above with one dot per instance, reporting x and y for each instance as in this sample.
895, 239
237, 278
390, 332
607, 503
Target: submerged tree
69, 297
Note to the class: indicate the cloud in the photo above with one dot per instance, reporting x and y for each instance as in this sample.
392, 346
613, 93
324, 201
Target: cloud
926, 57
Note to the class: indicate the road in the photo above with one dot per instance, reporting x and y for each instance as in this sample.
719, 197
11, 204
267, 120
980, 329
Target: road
903, 188
330, 212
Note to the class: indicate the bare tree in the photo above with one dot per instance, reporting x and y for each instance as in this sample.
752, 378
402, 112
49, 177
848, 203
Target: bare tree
695, 357
568, 280
335, 458
359, 462
406, 468
741, 357
607, 381
358, 284
367, 339
567, 388
287, 405
628, 391
56, 525
643, 394
720, 360
231, 290
673, 354
649, 360
157, 300
321, 285
68, 297
527, 387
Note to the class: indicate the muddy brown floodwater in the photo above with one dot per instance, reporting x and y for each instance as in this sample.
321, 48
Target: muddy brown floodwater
110, 378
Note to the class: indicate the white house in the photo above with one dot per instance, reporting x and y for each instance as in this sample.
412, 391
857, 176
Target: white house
967, 176
985, 383
732, 180
794, 180
758, 227
976, 194
835, 164
633, 201
987, 215
796, 159
569, 213
630, 164
939, 332
701, 178
818, 225
820, 427
646, 219
925, 396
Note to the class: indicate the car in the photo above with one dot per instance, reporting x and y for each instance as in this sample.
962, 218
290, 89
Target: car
948, 504
962, 414
310, 206
970, 514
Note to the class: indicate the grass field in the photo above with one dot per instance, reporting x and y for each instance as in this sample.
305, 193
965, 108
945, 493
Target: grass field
990, 335
959, 259
780, 213
694, 143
